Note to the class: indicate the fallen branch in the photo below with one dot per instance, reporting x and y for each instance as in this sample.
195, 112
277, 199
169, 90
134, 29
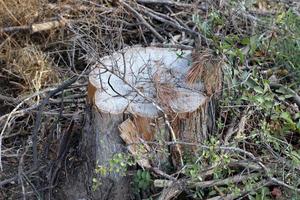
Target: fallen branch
176, 46
233, 179
171, 191
34, 28
206, 184
165, 2
238, 150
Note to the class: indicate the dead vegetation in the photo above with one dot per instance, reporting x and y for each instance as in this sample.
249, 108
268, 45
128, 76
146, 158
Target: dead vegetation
32, 68
207, 68
46, 49
20, 13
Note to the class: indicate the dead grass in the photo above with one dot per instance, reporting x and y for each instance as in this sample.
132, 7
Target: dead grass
19, 12
33, 68
26, 67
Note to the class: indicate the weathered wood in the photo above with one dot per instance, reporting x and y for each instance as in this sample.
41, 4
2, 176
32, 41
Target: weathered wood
108, 142
130, 134
100, 141
78, 183
190, 128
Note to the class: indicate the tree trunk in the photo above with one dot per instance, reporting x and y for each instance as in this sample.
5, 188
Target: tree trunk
100, 141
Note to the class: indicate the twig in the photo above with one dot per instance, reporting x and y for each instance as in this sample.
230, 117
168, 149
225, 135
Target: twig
141, 18
165, 2
171, 191
266, 170
40, 111
163, 174
14, 29
62, 152
176, 46
174, 188
18, 113
9, 12
5, 126
247, 153
20, 170
233, 179
20, 99
9, 99
14, 178
156, 16
15, 112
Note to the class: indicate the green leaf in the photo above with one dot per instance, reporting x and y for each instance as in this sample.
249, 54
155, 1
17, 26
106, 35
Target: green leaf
144, 175
251, 83
148, 177
139, 173
245, 41
241, 56
298, 125
251, 198
280, 17
287, 117
259, 99
141, 184
258, 89
253, 43
264, 192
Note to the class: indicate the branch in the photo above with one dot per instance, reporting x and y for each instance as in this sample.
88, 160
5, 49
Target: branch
34, 28
141, 18
166, 2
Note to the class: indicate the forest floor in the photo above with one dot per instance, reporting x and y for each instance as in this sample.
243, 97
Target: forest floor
254, 150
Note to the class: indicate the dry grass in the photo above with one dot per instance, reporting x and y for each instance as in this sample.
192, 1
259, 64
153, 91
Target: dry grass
19, 12
33, 68
26, 67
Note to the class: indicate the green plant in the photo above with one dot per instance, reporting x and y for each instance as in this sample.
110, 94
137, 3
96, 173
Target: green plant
118, 164
262, 194
286, 46
142, 180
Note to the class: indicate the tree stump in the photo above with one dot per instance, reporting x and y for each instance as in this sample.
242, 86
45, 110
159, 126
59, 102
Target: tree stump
142, 95
150, 84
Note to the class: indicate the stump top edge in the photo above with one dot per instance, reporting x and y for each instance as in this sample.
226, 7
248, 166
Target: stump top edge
157, 73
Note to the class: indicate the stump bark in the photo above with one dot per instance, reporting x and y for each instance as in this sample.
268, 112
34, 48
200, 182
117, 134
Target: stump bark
100, 141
